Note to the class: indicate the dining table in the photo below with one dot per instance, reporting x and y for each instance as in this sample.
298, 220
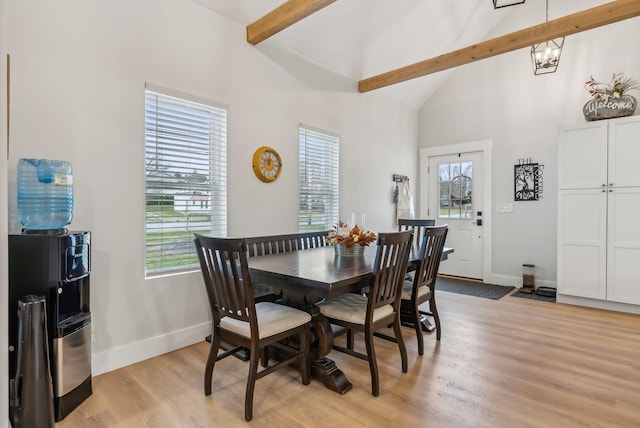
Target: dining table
308, 276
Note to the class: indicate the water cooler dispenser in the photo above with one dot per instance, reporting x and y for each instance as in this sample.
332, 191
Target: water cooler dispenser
56, 264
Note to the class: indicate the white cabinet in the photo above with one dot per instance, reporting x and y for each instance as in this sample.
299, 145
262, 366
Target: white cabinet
599, 210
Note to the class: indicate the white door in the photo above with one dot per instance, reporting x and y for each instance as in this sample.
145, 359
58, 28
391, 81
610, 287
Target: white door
623, 250
582, 243
456, 198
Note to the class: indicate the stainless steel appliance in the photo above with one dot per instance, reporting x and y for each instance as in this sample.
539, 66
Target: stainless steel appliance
56, 264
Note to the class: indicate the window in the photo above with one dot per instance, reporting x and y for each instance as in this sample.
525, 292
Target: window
185, 179
319, 190
455, 184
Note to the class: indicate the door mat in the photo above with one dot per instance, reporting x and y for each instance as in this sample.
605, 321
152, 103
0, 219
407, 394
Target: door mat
534, 296
472, 288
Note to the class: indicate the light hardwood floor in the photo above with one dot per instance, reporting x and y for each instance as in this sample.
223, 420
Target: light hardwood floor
508, 363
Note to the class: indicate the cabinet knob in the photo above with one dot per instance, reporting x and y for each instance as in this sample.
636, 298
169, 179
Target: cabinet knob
610, 184
604, 185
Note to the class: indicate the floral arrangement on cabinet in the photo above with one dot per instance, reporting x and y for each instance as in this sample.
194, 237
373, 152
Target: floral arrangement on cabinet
618, 87
341, 234
610, 100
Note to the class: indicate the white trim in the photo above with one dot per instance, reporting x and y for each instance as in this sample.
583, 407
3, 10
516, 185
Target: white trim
516, 281
115, 358
486, 147
598, 304
185, 96
318, 130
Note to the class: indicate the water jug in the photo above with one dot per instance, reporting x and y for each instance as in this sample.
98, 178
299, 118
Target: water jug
45, 193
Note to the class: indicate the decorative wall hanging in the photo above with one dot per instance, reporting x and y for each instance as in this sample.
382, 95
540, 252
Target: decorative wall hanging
398, 179
527, 180
402, 197
610, 100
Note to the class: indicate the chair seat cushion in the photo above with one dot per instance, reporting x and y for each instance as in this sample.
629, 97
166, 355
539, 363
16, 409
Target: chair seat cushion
351, 308
408, 287
272, 319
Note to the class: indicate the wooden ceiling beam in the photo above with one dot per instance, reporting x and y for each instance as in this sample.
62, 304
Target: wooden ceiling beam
282, 17
605, 14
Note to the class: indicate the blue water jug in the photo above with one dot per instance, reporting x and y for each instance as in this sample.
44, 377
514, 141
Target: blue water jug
45, 193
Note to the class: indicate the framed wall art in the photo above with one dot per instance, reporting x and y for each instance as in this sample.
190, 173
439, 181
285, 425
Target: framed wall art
527, 181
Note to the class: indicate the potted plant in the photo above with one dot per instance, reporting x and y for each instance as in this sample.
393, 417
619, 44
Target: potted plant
610, 100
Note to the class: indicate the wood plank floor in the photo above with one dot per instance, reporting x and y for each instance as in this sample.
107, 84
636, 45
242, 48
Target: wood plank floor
508, 363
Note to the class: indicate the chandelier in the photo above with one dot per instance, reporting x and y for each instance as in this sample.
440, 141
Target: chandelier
545, 56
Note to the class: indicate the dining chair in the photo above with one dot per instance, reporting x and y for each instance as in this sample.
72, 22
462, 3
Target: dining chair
421, 288
379, 308
417, 226
240, 321
273, 244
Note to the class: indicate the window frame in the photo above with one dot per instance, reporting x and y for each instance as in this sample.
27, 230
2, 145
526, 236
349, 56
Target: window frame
185, 153
319, 166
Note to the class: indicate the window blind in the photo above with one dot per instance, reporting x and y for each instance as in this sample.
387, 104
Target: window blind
319, 180
185, 179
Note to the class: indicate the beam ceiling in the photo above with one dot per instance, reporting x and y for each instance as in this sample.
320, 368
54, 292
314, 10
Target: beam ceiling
282, 17
581, 21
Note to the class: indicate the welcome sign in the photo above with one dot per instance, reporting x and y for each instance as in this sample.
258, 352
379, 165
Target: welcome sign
610, 107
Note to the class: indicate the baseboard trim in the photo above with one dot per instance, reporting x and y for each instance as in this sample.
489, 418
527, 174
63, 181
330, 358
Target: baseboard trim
598, 304
115, 358
515, 281
462, 278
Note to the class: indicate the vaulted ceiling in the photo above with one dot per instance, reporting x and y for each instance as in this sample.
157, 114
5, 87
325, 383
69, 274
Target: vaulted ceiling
350, 41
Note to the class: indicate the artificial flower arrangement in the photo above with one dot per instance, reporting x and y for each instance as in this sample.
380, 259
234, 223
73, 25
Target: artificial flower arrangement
340, 234
610, 100
618, 87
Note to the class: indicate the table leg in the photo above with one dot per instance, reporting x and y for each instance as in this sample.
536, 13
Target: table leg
322, 368
326, 371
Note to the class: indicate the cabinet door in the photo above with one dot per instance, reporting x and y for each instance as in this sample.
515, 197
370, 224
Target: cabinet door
624, 152
582, 156
623, 248
582, 233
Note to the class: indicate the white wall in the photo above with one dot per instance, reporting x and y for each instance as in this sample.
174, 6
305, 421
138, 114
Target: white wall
501, 100
78, 76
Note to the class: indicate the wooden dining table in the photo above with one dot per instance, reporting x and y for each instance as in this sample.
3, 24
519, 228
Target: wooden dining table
308, 276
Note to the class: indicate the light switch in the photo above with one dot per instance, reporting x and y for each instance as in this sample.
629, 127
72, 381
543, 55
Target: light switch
504, 207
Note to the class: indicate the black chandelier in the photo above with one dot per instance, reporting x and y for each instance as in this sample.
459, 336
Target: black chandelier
545, 56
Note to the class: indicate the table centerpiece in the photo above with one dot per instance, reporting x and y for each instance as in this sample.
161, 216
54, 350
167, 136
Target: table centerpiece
349, 242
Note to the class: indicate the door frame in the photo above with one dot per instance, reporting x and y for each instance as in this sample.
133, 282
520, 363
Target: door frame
486, 148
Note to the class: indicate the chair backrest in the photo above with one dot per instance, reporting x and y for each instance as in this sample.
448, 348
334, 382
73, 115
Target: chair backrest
223, 262
389, 269
433, 241
417, 226
272, 244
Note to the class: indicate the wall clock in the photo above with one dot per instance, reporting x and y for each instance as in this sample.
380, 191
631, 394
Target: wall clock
267, 164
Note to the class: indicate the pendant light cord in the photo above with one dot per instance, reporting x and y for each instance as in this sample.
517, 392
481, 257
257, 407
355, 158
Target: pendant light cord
547, 15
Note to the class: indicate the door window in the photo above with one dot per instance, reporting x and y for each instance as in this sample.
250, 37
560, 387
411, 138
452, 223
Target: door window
455, 184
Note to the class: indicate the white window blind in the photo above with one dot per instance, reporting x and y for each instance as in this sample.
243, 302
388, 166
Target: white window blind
319, 180
185, 179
